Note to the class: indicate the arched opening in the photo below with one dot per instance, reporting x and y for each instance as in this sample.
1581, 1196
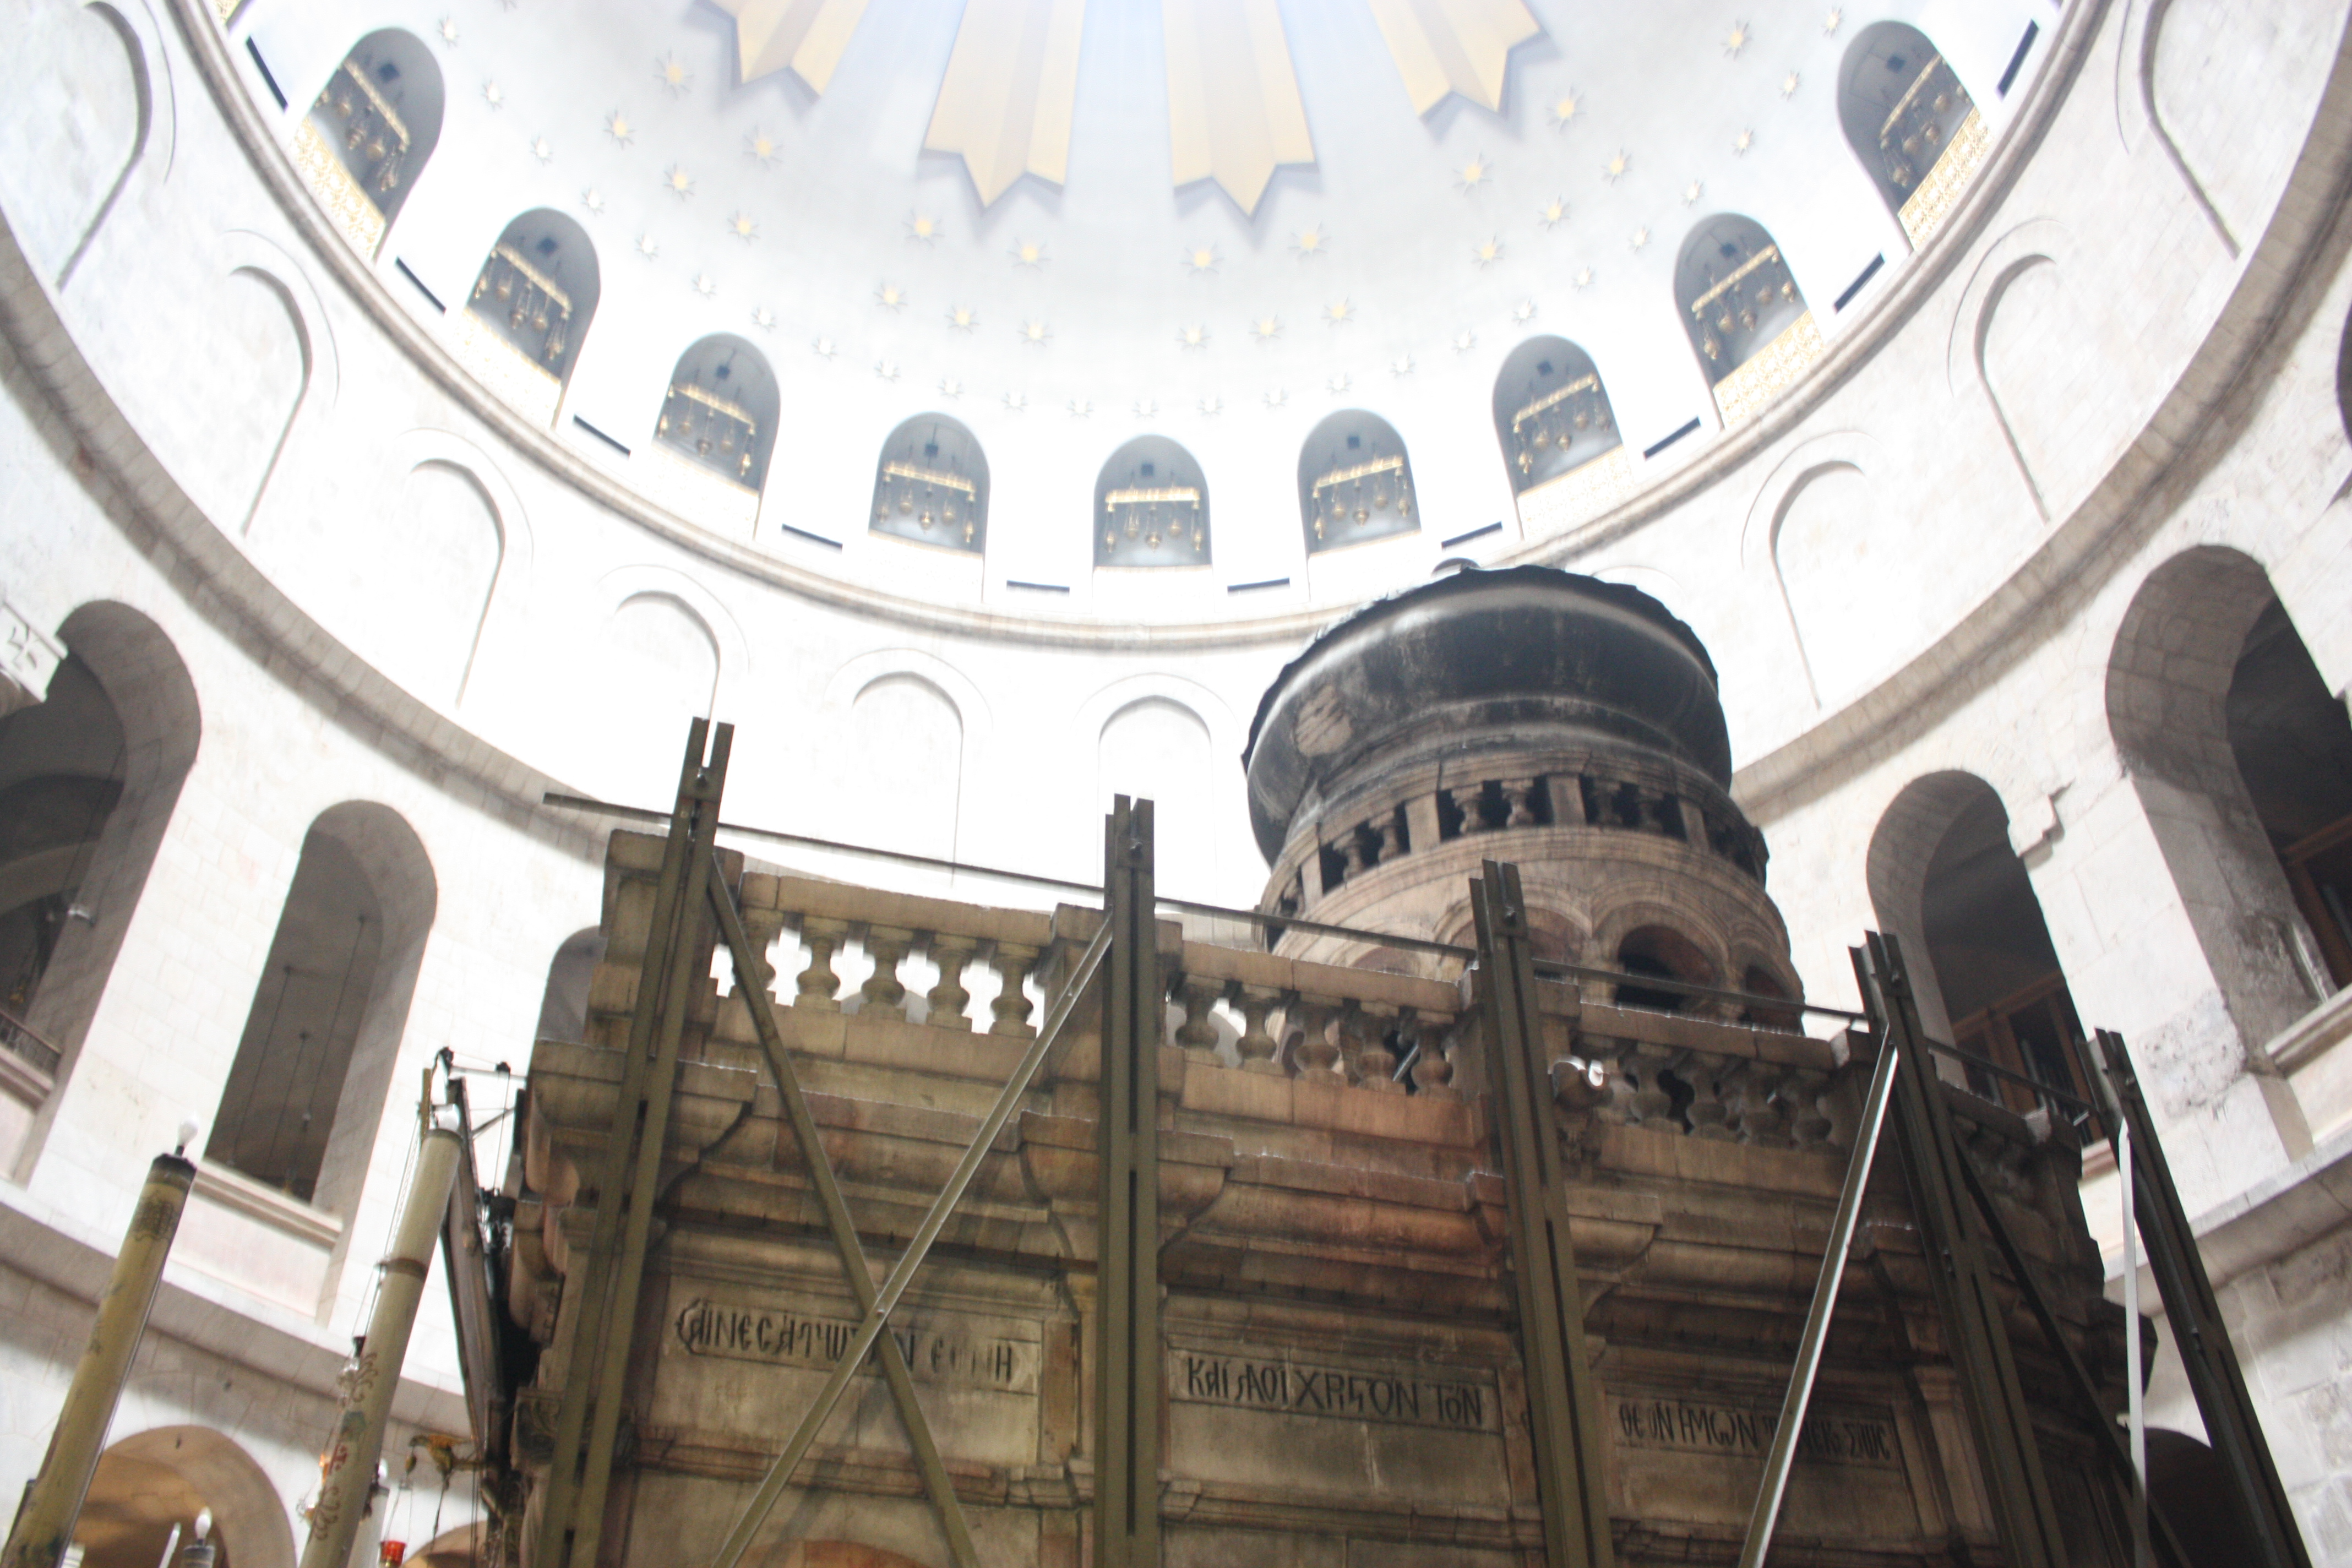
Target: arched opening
1747, 319
1658, 953
2188, 1482
1151, 507
718, 423
88, 778
2242, 761
306, 1092
520, 331
148, 1486
931, 485
563, 1006
1945, 879
367, 138
1355, 482
1911, 123
1553, 418
1760, 981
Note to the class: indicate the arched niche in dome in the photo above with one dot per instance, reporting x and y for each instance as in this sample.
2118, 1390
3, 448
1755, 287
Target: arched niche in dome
1151, 507
931, 485
1553, 418
1911, 123
1355, 482
1747, 317
716, 428
520, 333
367, 138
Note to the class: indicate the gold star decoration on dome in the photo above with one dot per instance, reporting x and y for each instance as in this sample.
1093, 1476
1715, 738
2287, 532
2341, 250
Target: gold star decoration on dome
1081, 407
1339, 311
1583, 279
1736, 39
888, 369
1474, 174
1831, 18
962, 318
890, 296
950, 387
824, 348
673, 74
1310, 240
1145, 408
1742, 142
648, 247
923, 226
1614, 170
592, 199
1788, 85
1278, 398
1213, 405
1029, 253
1200, 259
1016, 402
448, 29
619, 128
1035, 333
1564, 108
763, 318
1464, 341
542, 149
743, 226
1553, 213
1266, 329
1523, 311
1692, 192
1486, 252
1401, 367
1193, 337
706, 285
761, 147
677, 182
1638, 237
494, 95
1338, 383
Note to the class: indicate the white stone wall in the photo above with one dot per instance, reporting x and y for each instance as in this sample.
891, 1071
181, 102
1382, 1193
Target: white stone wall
384, 589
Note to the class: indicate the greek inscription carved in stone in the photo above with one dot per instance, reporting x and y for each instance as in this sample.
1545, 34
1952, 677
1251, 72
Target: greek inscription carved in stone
1460, 1403
785, 1337
1833, 1437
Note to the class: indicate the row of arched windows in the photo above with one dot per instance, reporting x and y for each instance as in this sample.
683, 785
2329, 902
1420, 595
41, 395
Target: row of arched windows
1904, 110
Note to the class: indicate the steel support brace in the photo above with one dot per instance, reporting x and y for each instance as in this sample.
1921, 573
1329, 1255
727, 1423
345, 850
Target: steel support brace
2272, 1538
1128, 1354
1563, 1398
753, 978
1975, 1322
588, 1420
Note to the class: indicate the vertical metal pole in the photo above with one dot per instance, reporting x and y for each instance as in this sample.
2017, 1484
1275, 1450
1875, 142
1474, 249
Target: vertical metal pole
588, 1421
2273, 1540
43, 1532
1974, 1316
1783, 1454
357, 1441
1563, 1399
2135, 1395
1129, 1390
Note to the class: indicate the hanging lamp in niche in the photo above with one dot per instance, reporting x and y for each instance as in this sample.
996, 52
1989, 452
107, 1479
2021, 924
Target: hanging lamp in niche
930, 486
1151, 507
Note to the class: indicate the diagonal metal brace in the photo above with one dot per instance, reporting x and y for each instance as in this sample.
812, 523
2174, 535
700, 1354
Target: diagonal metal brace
751, 979
886, 1301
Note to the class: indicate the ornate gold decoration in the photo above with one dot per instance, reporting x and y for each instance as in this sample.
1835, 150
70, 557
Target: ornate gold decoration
1310, 240
618, 127
677, 182
1233, 110
1029, 253
1831, 18
962, 318
1475, 174
1584, 491
803, 37
1736, 39
1564, 108
1454, 45
1692, 192
353, 211
672, 73
1486, 252
1741, 142
1553, 213
1339, 311
1036, 332
761, 147
1367, 499
1193, 337
1940, 191
1789, 84
923, 226
1005, 106
1614, 170
743, 225
890, 297
511, 376
494, 95
1769, 371
1266, 327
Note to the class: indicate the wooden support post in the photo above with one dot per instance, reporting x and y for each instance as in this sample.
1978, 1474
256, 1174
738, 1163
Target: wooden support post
588, 1421
1564, 1395
1974, 1318
2272, 1539
1127, 1390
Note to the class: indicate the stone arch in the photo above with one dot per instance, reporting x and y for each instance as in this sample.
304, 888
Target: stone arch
563, 1004
306, 1092
2037, 244
2135, 57
1911, 123
522, 325
149, 1481
730, 649
1745, 318
903, 744
1686, 946
142, 680
930, 484
2167, 684
370, 133
508, 587
136, 51
837, 1554
1158, 748
1355, 482
241, 252
1761, 544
